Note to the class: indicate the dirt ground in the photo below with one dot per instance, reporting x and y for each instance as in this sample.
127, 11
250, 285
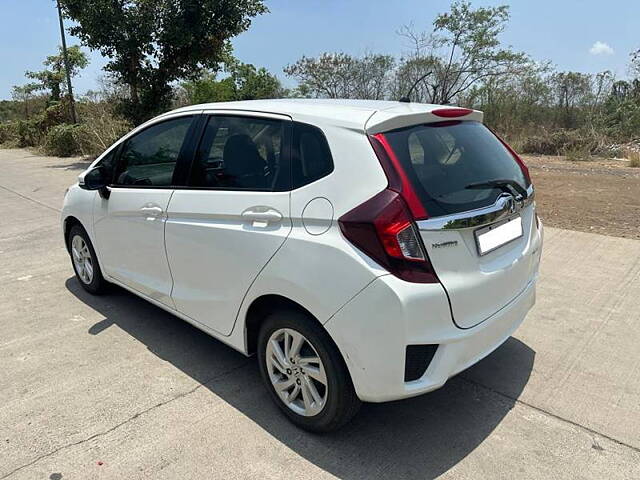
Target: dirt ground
598, 196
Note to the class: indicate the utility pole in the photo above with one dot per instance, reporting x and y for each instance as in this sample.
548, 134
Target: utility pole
74, 118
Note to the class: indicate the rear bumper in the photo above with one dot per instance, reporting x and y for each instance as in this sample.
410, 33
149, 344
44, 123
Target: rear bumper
373, 330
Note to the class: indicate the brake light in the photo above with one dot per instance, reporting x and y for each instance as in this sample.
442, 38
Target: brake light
396, 175
451, 112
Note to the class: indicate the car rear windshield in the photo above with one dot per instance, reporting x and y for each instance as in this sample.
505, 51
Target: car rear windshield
442, 159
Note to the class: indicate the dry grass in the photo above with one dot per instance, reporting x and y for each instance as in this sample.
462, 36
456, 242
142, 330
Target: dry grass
633, 156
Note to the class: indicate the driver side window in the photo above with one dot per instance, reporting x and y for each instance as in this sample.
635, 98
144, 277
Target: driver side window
108, 163
149, 158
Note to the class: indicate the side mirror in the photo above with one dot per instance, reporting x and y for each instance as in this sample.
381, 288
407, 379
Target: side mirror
94, 179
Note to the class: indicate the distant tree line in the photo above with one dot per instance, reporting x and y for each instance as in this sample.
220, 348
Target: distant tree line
163, 53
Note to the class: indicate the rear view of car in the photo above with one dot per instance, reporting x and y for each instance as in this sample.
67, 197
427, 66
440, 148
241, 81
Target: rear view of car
457, 230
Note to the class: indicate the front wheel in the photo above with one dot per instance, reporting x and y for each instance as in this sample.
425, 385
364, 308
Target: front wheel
85, 261
304, 372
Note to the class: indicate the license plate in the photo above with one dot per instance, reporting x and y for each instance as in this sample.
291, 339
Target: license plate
494, 236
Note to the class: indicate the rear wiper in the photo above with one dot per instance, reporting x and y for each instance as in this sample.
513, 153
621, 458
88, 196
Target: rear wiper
507, 186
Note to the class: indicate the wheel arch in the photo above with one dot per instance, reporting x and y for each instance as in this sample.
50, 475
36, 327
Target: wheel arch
69, 222
258, 311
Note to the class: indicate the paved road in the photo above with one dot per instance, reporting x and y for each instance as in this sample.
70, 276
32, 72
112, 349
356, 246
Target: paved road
112, 387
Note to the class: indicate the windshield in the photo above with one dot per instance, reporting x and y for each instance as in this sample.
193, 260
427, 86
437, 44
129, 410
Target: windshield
442, 159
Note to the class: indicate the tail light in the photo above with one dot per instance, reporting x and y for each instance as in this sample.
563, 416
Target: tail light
384, 227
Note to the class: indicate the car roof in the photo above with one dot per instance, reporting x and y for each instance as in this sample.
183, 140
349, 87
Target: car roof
367, 115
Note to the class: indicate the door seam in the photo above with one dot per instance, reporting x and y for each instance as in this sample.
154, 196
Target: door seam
166, 253
244, 297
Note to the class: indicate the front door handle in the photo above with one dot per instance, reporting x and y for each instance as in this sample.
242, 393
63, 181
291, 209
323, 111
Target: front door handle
262, 215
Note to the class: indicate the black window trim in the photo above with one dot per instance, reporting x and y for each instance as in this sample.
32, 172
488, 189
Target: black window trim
285, 155
190, 150
296, 155
181, 162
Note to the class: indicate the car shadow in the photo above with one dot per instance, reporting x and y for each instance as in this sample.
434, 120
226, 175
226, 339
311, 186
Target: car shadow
422, 437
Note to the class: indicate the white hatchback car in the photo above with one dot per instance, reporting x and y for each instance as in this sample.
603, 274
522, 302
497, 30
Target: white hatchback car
365, 250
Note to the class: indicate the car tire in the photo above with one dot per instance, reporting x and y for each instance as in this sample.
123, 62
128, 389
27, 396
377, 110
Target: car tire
338, 402
85, 261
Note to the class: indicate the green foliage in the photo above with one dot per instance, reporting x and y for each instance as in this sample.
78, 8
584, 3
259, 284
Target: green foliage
28, 133
53, 77
462, 50
33, 131
622, 110
339, 75
152, 43
8, 133
251, 83
24, 94
60, 140
245, 82
11, 110
207, 89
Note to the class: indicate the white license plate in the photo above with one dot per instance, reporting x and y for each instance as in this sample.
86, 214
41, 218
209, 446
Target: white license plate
494, 236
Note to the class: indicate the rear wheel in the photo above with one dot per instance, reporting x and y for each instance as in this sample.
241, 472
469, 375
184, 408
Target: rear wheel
304, 372
85, 261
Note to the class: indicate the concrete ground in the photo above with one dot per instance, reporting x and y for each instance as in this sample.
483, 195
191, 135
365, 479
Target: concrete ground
112, 387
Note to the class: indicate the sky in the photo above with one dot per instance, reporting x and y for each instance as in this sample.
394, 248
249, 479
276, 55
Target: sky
580, 35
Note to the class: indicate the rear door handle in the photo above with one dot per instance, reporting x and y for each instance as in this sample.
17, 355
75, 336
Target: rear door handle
152, 211
266, 216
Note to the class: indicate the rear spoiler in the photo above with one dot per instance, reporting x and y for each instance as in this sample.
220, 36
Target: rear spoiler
406, 115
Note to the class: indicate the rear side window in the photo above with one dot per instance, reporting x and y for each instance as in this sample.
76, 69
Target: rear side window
311, 159
442, 159
149, 157
241, 153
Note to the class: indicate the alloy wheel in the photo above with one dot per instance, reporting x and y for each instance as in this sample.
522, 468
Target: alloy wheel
82, 259
296, 372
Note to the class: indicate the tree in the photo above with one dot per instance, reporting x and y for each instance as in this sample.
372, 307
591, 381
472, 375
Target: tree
207, 89
622, 110
572, 90
339, 75
463, 50
53, 77
635, 64
251, 83
513, 103
244, 82
24, 93
152, 43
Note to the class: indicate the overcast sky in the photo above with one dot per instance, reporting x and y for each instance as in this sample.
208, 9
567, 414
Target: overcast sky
586, 35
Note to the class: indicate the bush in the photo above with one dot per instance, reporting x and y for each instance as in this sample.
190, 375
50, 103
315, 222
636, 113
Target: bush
562, 142
633, 156
8, 133
577, 154
99, 129
29, 132
60, 140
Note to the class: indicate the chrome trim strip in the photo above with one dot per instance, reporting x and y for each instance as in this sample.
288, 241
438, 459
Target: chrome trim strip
506, 206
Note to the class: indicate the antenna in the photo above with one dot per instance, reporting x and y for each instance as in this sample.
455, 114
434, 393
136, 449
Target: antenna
406, 98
